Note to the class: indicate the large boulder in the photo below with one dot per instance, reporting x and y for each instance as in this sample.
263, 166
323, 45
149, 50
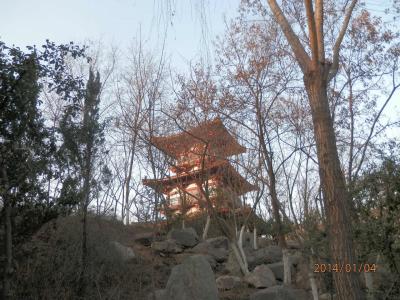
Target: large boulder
167, 246
157, 295
185, 237
144, 238
277, 269
219, 242
261, 277
280, 292
267, 255
193, 279
232, 265
327, 296
296, 257
215, 248
301, 278
263, 242
227, 282
180, 258
248, 240
125, 253
294, 245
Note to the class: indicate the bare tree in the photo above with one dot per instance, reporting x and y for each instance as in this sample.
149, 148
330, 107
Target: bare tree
318, 72
138, 91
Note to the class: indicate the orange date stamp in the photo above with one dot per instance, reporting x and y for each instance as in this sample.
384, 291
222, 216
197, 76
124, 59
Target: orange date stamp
355, 268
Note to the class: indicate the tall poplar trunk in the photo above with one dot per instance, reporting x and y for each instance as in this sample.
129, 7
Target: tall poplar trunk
334, 189
317, 73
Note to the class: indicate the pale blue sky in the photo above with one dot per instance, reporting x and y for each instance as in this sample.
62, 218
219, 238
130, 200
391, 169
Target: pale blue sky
27, 22
118, 22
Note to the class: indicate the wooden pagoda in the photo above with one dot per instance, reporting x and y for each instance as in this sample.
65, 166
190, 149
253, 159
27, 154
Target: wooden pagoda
202, 174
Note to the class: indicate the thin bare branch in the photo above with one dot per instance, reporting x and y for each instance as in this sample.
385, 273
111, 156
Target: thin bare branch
338, 43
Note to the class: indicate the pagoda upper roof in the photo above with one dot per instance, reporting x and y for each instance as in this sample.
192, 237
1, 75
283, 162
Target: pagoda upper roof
212, 133
221, 168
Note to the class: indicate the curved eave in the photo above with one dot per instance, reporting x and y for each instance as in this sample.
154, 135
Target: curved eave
221, 169
214, 133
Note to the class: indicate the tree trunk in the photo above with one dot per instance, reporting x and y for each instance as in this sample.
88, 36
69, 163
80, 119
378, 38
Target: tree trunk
8, 270
311, 277
369, 283
334, 190
287, 267
206, 228
128, 181
242, 261
85, 204
255, 238
263, 138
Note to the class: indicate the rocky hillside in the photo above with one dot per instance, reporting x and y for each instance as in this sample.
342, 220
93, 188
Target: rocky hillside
142, 262
210, 269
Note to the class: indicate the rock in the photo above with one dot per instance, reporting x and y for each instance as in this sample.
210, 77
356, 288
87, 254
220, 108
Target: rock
382, 278
192, 280
144, 238
248, 239
261, 277
300, 278
157, 295
180, 258
232, 266
267, 255
219, 242
227, 282
327, 296
144, 241
125, 253
167, 246
220, 254
292, 244
296, 258
185, 237
211, 260
277, 269
263, 242
280, 292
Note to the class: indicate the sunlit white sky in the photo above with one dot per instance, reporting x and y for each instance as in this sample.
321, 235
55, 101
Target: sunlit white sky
118, 22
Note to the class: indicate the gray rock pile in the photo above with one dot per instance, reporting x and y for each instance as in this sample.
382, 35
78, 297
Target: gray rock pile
194, 278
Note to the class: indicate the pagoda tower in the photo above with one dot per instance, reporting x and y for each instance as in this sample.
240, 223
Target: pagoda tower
202, 174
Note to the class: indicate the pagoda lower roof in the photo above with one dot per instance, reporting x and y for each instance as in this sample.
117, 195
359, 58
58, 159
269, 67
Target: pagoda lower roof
221, 169
213, 133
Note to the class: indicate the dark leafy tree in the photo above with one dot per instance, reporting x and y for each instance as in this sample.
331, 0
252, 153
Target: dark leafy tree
378, 204
25, 143
83, 138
